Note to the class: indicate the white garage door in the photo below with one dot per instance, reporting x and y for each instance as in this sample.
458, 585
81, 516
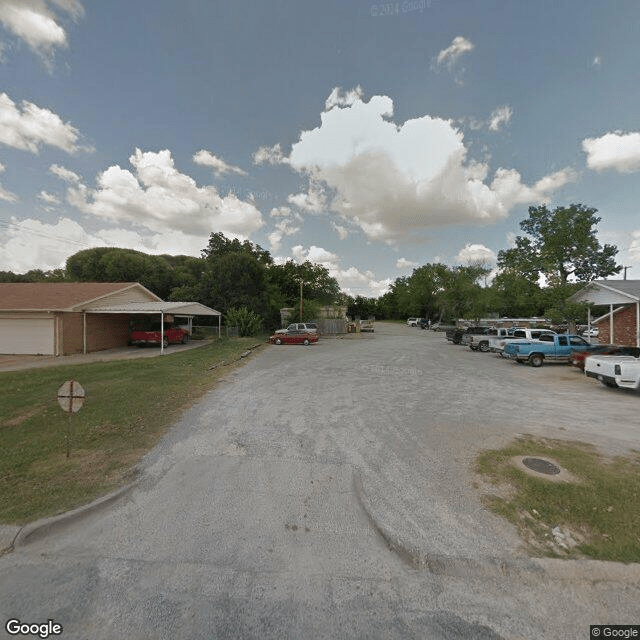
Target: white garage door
30, 336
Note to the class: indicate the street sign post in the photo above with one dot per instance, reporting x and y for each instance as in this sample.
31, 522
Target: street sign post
70, 398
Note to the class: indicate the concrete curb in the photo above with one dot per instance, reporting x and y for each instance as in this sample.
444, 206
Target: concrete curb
414, 550
8, 535
37, 530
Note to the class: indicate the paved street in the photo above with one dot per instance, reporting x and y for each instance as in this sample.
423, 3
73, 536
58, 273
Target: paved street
328, 492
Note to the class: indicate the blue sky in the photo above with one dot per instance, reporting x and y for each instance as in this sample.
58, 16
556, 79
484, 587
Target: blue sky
368, 137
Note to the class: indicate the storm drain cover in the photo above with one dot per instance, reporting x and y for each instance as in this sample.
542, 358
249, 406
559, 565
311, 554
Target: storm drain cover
541, 466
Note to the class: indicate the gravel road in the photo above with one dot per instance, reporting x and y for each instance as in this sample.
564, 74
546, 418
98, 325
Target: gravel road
328, 492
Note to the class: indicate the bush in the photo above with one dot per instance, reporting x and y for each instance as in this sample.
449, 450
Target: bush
249, 323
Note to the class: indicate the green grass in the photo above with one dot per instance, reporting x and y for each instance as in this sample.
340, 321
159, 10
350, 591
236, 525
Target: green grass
600, 509
129, 405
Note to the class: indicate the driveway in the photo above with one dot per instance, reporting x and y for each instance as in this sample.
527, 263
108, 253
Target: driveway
20, 362
327, 492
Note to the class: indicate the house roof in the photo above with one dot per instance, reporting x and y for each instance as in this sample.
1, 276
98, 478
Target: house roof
64, 296
609, 292
175, 308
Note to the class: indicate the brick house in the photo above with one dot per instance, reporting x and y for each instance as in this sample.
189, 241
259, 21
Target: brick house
63, 318
621, 324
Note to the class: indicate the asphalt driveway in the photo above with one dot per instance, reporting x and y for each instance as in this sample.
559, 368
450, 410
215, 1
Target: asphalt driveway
327, 492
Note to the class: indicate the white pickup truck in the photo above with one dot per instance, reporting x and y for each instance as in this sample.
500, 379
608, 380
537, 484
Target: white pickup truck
495, 343
614, 371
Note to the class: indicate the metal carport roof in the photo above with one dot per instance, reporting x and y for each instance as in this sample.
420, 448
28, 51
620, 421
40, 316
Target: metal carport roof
162, 308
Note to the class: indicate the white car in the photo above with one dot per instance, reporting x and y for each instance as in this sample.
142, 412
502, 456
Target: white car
300, 327
591, 333
413, 322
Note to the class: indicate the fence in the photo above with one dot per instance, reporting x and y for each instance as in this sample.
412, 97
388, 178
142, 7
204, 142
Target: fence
212, 331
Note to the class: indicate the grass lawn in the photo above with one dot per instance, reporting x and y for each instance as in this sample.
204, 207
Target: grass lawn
129, 405
595, 515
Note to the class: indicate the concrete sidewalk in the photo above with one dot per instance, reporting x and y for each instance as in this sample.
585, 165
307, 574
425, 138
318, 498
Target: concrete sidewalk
21, 362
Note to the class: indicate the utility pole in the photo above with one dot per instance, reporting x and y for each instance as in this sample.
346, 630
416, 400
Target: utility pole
300, 299
625, 272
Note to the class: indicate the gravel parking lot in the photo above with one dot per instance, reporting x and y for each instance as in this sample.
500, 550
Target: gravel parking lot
327, 491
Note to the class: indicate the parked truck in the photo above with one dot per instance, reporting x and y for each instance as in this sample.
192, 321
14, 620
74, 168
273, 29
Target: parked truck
614, 371
517, 334
548, 348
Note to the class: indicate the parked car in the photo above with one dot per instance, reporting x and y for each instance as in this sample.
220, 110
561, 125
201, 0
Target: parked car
579, 357
295, 337
549, 348
414, 322
614, 371
171, 335
300, 327
591, 333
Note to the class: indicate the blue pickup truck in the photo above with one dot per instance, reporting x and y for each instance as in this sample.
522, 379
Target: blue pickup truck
548, 348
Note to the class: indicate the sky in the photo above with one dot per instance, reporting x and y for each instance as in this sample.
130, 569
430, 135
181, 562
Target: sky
370, 138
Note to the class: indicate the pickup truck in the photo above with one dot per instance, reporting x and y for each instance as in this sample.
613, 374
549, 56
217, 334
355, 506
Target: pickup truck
460, 336
171, 335
484, 341
517, 334
614, 371
551, 348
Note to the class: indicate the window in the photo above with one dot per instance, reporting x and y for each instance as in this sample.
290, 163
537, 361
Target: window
563, 341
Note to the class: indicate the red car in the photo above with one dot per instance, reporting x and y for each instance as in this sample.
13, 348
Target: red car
292, 337
578, 357
172, 335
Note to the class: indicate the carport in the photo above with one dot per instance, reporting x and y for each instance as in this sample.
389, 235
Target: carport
183, 309
625, 293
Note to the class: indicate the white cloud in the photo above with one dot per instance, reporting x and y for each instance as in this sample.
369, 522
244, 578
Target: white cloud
403, 263
35, 23
270, 155
283, 228
340, 98
597, 62
394, 181
280, 212
64, 174
32, 244
500, 116
48, 198
314, 200
617, 150
351, 280
30, 126
160, 198
476, 253
5, 195
448, 58
340, 230
218, 165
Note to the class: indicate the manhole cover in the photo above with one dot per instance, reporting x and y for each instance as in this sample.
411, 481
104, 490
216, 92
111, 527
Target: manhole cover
541, 466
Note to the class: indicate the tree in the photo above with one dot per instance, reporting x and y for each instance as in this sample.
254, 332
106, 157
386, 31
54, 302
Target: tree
560, 244
219, 244
317, 284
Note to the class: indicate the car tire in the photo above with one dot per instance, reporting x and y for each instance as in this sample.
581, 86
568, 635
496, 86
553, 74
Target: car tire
610, 384
278, 341
306, 342
484, 347
536, 360
185, 338
165, 342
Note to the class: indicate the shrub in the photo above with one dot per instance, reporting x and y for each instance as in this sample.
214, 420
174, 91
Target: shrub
249, 323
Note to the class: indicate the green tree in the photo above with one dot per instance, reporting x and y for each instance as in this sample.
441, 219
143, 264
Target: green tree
560, 244
317, 284
219, 244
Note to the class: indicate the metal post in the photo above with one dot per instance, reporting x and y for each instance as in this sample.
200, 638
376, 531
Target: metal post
162, 333
611, 323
